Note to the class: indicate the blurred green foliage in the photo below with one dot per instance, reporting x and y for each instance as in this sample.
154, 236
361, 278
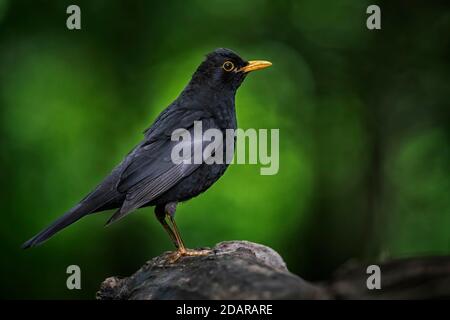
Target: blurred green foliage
363, 118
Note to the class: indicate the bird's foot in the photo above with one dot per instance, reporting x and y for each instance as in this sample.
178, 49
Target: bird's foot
176, 255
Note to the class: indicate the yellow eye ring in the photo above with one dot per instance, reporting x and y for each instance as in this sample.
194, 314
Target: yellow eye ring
228, 66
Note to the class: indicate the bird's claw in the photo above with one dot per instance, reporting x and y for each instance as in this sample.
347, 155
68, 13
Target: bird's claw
176, 255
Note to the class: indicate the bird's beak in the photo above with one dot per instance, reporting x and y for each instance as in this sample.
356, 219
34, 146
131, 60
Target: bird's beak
255, 65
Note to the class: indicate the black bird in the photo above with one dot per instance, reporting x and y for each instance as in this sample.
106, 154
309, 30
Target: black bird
147, 176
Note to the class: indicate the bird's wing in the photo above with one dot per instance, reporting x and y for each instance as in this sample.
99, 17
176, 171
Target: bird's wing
153, 157
150, 170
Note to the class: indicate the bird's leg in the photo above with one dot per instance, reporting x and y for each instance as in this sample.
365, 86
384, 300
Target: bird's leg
161, 216
181, 248
182, 251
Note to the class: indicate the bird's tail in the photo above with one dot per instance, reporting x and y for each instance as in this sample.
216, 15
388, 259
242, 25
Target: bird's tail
70, 217
93, 203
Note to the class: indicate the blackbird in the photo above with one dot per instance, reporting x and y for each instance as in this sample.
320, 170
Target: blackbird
147, 176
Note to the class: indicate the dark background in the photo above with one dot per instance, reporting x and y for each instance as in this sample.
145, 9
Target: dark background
363, 119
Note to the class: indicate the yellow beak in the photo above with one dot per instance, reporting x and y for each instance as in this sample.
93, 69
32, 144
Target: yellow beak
255, 65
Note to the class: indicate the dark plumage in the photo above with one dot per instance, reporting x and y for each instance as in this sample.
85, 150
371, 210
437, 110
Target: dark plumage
147, 176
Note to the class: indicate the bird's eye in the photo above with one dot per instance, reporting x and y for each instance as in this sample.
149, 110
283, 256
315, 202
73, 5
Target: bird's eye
228, 66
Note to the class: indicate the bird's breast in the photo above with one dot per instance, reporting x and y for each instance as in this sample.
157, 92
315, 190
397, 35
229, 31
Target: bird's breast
225, 115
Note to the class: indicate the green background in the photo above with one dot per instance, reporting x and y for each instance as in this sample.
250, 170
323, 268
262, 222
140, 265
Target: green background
363, 118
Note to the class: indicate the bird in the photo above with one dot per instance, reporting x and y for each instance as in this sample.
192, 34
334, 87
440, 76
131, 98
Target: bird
147, 176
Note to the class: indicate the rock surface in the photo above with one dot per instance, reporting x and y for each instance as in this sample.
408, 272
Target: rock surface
234, 270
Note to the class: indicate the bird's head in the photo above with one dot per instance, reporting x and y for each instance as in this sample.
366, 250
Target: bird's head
223, 69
